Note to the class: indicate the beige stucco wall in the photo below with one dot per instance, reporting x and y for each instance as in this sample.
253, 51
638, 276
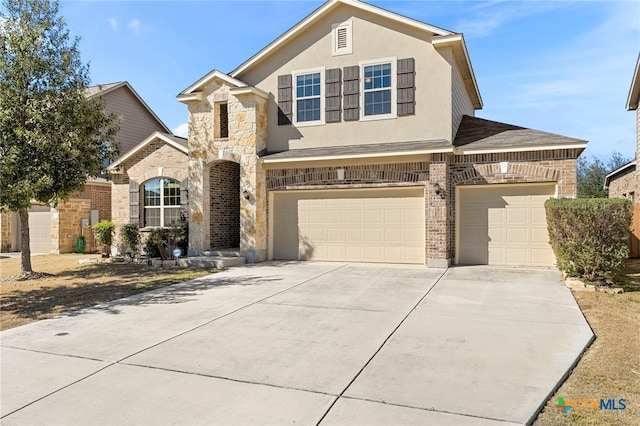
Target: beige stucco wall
374, 37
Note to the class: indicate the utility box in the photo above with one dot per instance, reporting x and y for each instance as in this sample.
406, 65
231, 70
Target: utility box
94, 215
84, 223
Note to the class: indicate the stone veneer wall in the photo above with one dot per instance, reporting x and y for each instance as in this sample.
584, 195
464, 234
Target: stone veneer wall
247, 137
66, 226
225, 204
5, 233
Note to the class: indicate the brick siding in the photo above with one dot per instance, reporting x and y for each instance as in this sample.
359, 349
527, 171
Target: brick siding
224, 178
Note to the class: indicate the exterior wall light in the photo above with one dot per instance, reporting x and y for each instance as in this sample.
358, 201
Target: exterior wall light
246, 194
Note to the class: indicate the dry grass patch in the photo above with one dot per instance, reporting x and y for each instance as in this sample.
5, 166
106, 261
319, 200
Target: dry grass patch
610, 368
74, 286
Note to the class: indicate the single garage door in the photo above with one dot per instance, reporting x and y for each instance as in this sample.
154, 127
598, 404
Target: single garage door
504, 225
40, 229
372, 225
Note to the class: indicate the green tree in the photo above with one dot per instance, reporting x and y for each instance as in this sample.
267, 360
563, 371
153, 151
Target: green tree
591, 174
52, 137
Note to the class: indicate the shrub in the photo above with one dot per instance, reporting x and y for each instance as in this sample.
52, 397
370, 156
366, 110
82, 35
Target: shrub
103, 233
130, 235
162, 241
589, 236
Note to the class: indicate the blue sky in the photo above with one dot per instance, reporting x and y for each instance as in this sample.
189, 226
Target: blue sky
560, 66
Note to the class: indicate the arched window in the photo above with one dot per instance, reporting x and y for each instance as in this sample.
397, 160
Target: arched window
161, 202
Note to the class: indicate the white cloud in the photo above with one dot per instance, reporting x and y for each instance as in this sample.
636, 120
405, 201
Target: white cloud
114, 23
135, 26
182, 130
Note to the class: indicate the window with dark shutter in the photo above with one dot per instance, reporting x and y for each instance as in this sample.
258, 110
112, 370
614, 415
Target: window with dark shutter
134, 202
351, 90
406, 103
332, 95
285, 110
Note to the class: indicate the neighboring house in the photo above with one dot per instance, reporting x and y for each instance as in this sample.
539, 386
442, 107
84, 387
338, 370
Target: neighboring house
352, 137
624, 182
55, 230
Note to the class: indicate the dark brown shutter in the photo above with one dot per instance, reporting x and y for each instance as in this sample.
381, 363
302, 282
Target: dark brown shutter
351, 90
184, 198
134, 202
406, 87
332, 95
285, 92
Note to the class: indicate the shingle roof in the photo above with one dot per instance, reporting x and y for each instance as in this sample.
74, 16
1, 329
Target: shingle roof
94, 90
480, 134
351, 151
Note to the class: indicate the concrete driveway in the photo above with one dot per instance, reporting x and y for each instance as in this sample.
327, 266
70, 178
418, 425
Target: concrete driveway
304, 343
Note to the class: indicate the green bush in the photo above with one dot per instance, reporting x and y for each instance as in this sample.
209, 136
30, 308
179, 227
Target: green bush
103, 233
130, 235
162, 241
589, 236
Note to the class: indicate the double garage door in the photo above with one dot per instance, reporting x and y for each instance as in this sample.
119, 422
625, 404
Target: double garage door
370, 225
495, 225
503, 225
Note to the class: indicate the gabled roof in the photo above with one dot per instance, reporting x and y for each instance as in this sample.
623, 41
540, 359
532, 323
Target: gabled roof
191, 92
622, 170
177, 142
480, 136
103, 89
322, 11
634, 91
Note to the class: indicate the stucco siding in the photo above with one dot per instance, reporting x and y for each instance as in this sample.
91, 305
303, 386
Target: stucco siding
374, 37
136, 124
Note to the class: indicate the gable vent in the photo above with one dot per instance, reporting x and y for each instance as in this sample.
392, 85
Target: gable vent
341, 39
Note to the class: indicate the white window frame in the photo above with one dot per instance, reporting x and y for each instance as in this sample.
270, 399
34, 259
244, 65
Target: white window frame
394, 88
162, 207
295, 74
348, 49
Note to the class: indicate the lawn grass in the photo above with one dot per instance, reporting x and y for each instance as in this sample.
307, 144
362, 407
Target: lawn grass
74, 286
610, 368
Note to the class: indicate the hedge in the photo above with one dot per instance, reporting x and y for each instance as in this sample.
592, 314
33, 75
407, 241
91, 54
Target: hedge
589, 236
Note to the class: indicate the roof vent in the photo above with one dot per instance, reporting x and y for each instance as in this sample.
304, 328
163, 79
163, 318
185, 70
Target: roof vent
341, 39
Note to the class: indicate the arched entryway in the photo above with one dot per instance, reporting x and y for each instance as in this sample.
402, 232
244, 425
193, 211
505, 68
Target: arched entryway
224, 205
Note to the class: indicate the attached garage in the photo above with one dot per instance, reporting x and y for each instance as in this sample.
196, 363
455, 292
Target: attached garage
503, 225
40, 229
363, 225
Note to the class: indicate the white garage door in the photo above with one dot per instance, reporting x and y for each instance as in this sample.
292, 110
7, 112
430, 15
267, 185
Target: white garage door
504, 225
376, 225
40, 229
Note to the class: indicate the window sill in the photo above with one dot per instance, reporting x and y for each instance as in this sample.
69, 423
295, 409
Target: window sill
308, 123
378, 117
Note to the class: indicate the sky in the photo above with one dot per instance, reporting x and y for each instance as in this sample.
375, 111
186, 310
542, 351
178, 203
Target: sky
563, 67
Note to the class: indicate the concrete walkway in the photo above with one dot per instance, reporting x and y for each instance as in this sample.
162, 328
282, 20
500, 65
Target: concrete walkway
304, 343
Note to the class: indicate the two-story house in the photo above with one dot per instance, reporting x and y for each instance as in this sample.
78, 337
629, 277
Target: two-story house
56, 229
352, 137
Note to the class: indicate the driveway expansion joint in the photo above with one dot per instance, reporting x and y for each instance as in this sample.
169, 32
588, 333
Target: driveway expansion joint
415, 306
231, 379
